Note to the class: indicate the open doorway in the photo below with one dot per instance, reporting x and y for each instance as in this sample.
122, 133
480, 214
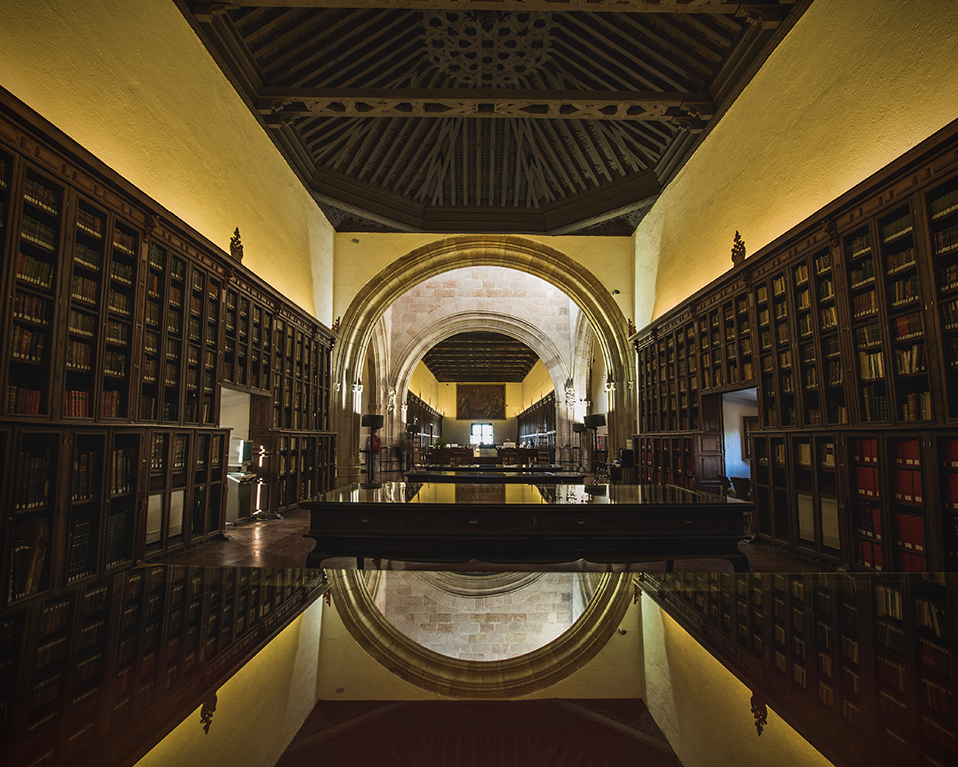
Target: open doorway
739, 418
241, 487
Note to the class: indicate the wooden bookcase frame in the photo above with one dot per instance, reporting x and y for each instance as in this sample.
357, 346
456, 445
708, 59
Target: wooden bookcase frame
851, 324
120, 326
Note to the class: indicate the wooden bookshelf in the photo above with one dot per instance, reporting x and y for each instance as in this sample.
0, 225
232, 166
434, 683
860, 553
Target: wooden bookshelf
123, 325
423, 425
109, 666
862, 666
537, 425
855, 349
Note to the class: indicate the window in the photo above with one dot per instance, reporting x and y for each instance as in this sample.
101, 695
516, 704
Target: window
480, 433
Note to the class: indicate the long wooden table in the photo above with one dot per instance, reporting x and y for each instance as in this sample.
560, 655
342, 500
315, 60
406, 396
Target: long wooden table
485, 476
525, 523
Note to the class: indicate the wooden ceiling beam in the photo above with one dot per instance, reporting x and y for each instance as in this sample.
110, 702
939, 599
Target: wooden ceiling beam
204, 11
278, 104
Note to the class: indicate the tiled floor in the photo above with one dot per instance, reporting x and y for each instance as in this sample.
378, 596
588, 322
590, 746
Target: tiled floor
281, 543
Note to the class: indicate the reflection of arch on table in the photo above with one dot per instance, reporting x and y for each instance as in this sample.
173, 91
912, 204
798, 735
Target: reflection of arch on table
437, 673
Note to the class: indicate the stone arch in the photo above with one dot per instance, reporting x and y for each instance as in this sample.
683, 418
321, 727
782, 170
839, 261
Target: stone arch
407, 359
593, 299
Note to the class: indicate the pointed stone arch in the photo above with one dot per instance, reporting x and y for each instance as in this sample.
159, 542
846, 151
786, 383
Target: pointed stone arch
575, 280
408, 358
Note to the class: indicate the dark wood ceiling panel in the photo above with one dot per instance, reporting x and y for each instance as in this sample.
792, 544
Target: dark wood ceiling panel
481, 357
567, 110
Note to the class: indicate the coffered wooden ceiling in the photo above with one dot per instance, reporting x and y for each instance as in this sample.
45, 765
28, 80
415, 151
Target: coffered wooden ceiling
480, 357
523, 116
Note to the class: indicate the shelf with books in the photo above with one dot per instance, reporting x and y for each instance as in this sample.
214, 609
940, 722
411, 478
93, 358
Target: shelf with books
815, 483
86, 504
84, 324
117, 373
208, 486
863, 303
166, 503
33, 496
947, 451
34, 282
906, 499
892, 667
767, 380
904, 317
865, 502
942, 207
123, 484
771, 487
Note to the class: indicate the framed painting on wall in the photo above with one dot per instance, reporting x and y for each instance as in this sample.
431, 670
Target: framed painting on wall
481, 401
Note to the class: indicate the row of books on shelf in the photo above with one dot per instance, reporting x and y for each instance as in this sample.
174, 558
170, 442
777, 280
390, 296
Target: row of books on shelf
84, 289
34, 271
89, 222
120, 302
945, 240
862, 274
118, 536
23, 401
41, 196
904, 259
82, 551
123, 241
26, 344
907, 484
868, 520
121, 272
948, 277
38, 233
908, 325
905, 291
79, 355
911, 360
27, 306
871, 365
911, 533
85, 479
77, 403
916, 406
123, 472
897, 228
111, 404
28, 552
874, 404
86, 256
32, 489
949, 313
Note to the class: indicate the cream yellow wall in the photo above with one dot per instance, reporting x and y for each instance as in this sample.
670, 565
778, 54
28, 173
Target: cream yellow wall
536, 385
134, 85
425, 386
704, 711
347, 672
259, 710
360, 256
852, 86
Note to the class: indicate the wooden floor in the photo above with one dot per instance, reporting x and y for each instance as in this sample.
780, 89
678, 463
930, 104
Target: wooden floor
281, 543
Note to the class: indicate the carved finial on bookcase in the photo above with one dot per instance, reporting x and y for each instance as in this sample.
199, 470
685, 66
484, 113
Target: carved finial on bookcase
631, 328
150, 226
831, 229
738, 249
760, 712
206, 713
335, 327
236, 247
